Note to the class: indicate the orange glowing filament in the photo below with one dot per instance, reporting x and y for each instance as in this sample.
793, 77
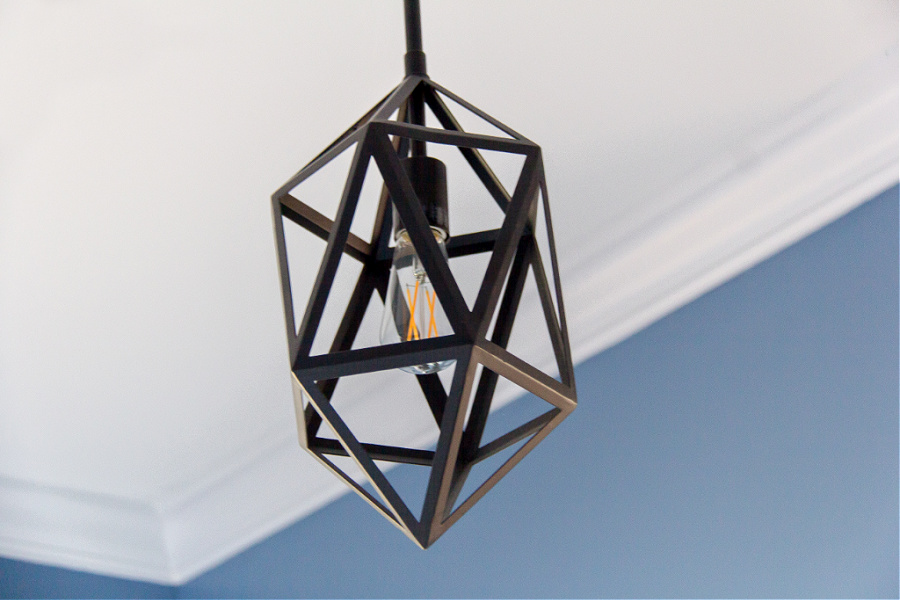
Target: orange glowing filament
432, 324
412, 332
412, 329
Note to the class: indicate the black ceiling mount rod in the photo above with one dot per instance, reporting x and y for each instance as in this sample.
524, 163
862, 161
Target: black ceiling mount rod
477, 342
415, 55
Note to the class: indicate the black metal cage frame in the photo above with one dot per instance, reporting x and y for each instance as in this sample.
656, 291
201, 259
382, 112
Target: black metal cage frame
513, 252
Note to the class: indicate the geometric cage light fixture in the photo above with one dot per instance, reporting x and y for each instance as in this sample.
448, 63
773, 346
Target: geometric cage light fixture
455, 349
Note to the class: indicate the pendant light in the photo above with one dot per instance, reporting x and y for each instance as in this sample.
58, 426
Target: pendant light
427, 328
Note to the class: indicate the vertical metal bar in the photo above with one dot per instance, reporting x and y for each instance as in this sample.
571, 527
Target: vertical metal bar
569, 376
413, 25
416, 116
415, 65
283, 271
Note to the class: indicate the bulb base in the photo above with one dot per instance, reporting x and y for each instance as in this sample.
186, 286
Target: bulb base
429, 180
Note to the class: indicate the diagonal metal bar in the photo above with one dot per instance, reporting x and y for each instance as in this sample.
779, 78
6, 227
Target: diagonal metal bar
516, 435
472, 156
447, 447
356, 307
321, 160
487, 384
550, 315
382, 110
356, 451
410, 211
373, 276
337, 240
398, 97
364, 494
569, 374
506, 244
474, 109
478, 494
350, 130
524, 375
346, 333
382, 230
434, 393
320, 225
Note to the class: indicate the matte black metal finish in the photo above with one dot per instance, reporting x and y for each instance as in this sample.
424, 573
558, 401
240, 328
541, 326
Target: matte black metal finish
385, 145
429, 178
415, 56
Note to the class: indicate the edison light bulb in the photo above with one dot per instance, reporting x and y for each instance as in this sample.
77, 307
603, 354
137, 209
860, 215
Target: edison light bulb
412, 310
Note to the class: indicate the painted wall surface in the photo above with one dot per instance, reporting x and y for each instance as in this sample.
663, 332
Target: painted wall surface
744, 446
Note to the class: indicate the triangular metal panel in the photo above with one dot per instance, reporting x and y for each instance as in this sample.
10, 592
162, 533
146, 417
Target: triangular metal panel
567, 374
506, 244
482, 398
363, 493
476, 161
337, 239
525, 376
383, 110
537, 438
458, 138
474, 109
356, 451
447, 449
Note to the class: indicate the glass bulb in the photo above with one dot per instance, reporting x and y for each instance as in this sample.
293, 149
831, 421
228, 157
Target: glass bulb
412, 310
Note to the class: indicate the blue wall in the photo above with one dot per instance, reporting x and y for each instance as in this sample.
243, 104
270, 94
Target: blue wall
746, 445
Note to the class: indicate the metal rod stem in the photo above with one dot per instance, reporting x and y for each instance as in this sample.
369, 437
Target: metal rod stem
415, 65
413, 25
416, 116
415, 55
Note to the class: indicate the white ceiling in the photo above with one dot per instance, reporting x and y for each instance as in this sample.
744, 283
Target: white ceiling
142, 356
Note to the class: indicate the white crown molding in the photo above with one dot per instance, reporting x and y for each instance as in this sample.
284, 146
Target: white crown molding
823, 161
80, 530
831, 156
